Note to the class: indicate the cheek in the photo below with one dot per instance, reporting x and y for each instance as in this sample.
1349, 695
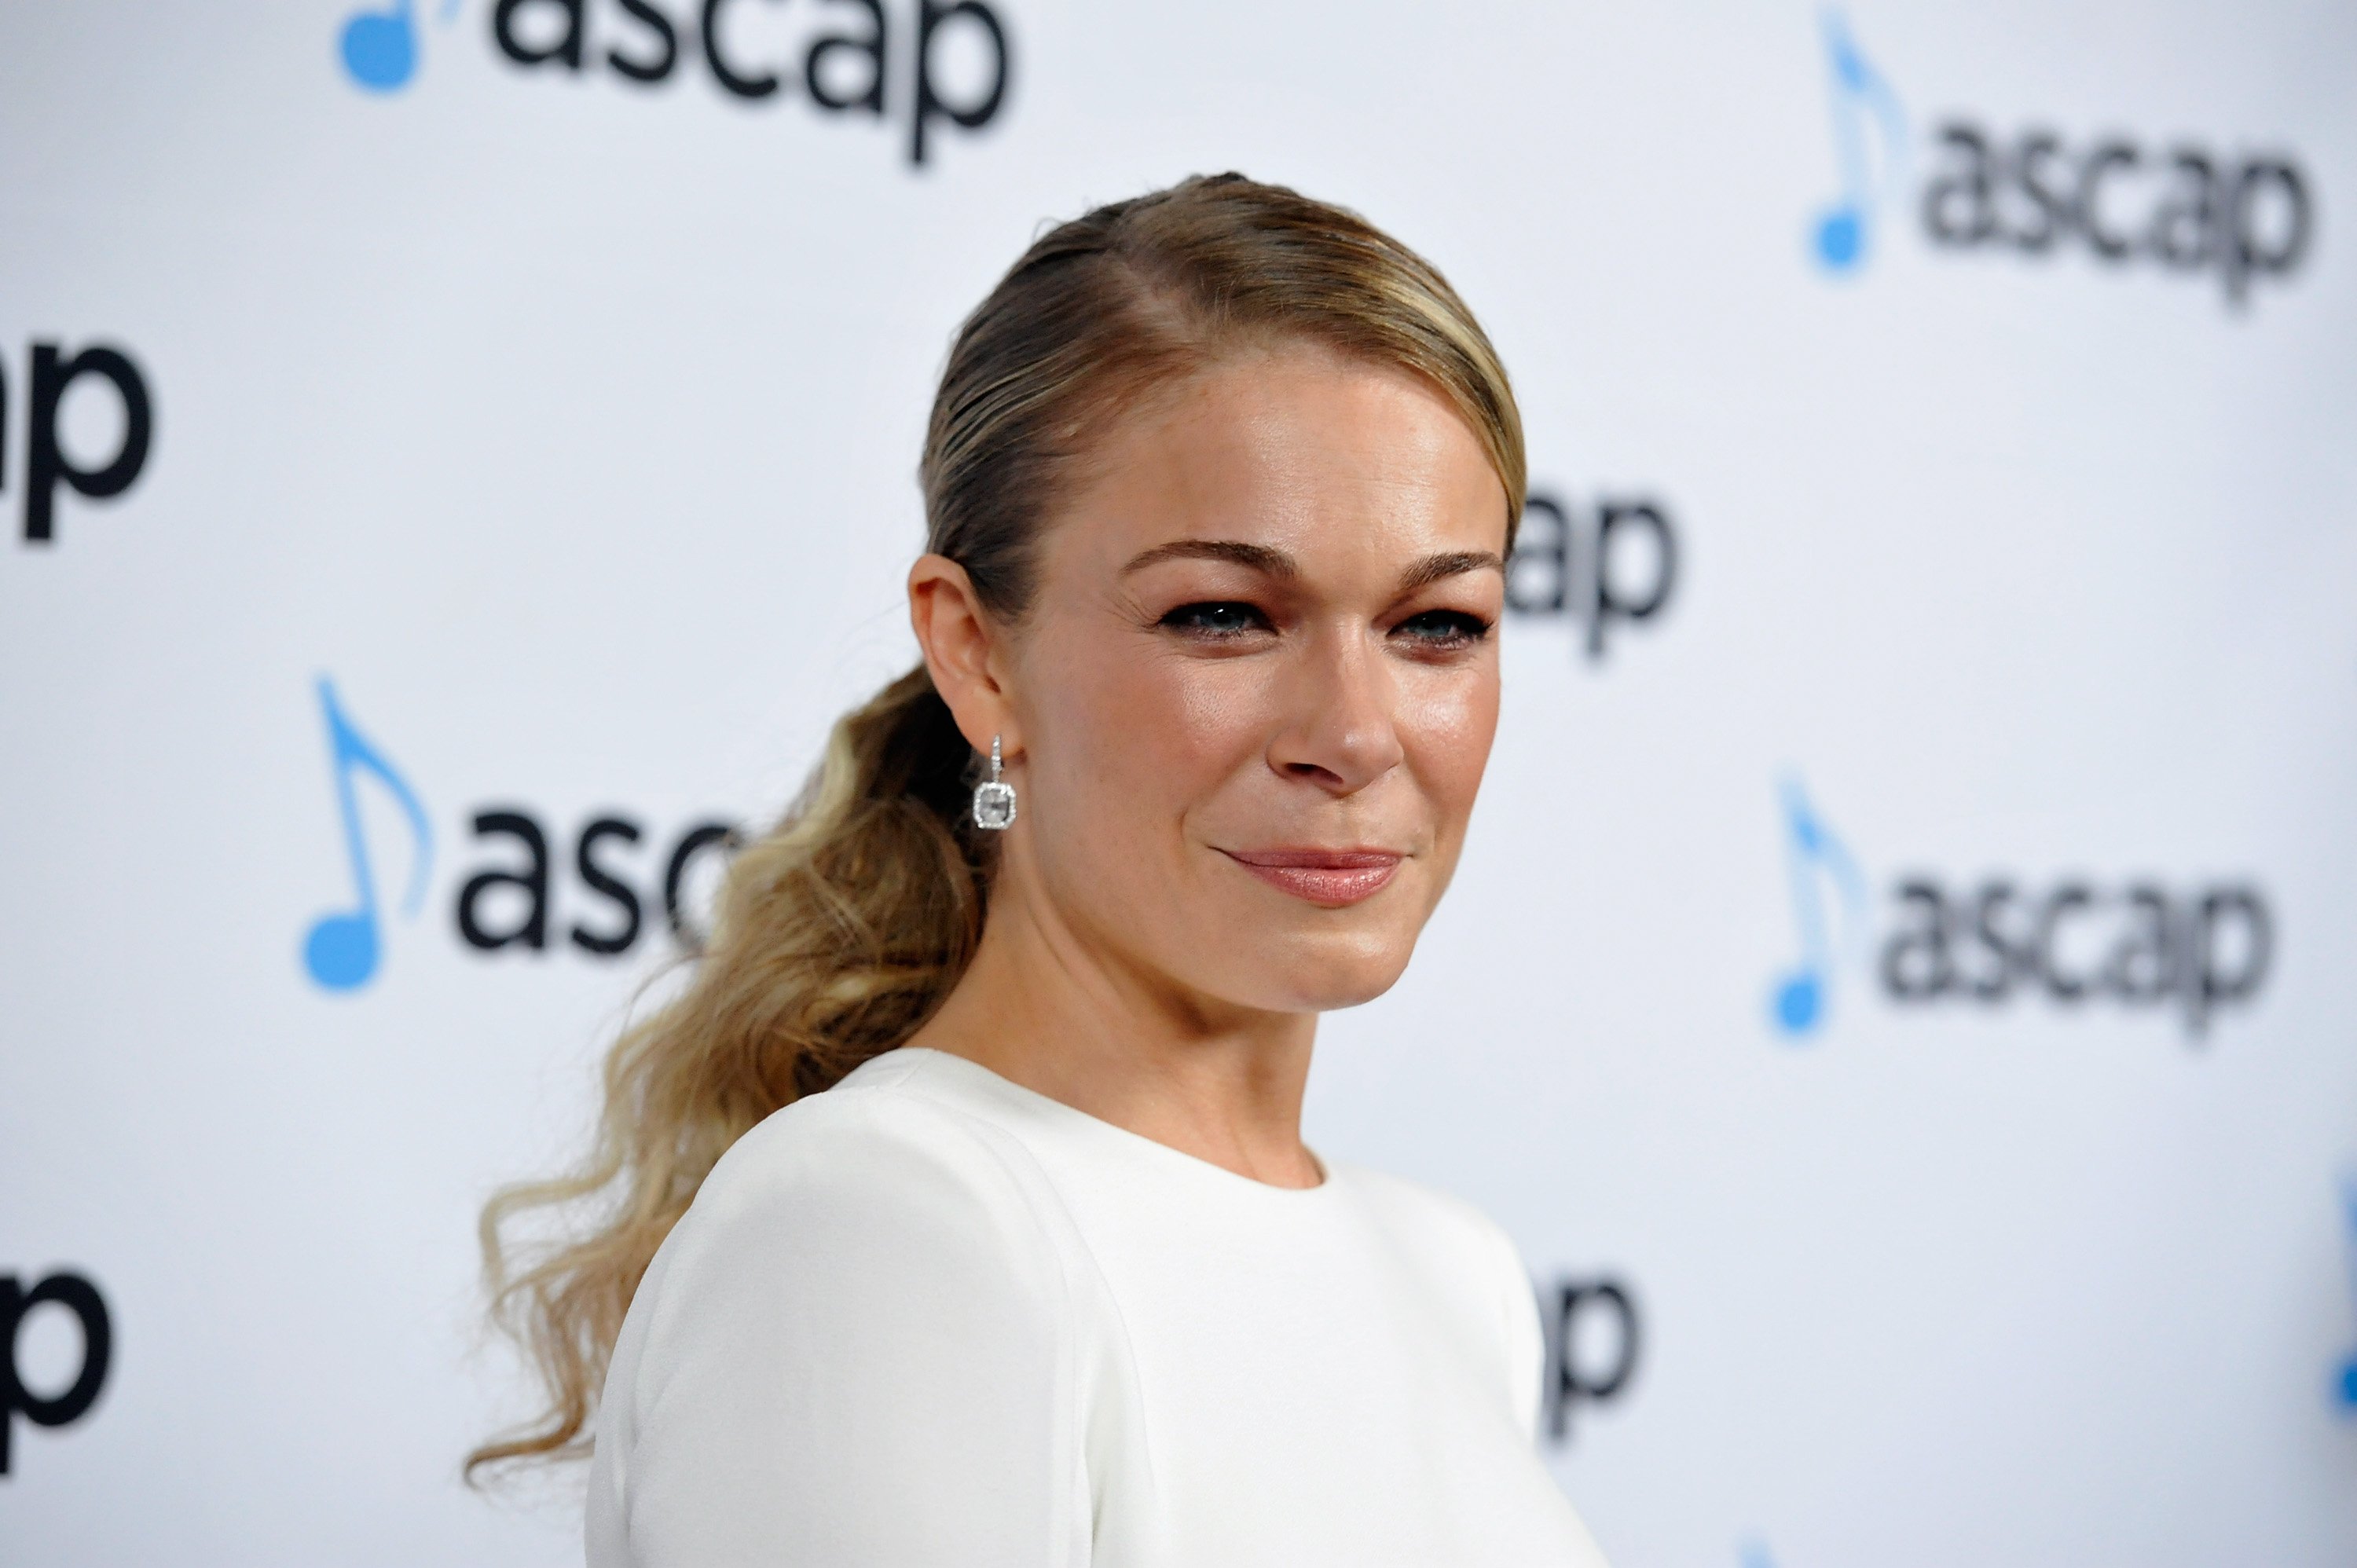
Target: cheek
1448, 727
1129, 733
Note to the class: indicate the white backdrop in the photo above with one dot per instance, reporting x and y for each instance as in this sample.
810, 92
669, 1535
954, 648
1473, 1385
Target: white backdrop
1905, 947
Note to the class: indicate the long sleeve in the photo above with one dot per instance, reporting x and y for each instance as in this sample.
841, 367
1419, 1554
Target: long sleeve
852, 1350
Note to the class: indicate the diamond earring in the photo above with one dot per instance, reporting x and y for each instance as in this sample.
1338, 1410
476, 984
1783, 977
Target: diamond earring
993, 798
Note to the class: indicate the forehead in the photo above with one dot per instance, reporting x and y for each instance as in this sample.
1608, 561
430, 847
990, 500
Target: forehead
1328, 458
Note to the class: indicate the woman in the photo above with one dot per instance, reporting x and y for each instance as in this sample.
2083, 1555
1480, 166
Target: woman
960, 1207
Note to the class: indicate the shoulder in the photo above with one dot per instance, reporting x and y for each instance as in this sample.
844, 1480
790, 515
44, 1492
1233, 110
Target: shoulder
1474, 1273
865, 1281
859, 1194
1441, 1226
877, 1151
864, 1241
877, 1124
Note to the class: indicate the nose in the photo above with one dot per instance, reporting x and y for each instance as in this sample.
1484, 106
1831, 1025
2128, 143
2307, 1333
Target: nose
1341, 730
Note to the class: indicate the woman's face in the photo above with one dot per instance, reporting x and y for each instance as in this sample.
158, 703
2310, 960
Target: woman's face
1256, 688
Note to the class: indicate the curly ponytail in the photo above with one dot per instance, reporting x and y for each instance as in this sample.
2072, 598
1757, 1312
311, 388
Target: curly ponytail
841, 931
837, 937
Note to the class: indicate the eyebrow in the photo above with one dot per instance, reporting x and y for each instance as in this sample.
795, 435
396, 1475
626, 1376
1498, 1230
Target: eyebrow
1453, 563
1258, 557
1277, 563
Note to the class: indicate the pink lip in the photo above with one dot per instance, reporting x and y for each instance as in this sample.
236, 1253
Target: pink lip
1330, 878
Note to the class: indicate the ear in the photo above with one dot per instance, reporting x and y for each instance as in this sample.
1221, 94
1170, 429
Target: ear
962, 651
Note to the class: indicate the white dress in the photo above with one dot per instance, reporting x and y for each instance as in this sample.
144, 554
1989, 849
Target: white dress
932, 1319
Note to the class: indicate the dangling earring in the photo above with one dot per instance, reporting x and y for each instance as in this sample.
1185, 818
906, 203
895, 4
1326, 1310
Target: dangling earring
993, 798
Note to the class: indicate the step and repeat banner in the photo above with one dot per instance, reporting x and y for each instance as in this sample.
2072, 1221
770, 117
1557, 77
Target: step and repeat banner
456, 461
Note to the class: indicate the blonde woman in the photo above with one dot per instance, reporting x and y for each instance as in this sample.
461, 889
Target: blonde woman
958, 1213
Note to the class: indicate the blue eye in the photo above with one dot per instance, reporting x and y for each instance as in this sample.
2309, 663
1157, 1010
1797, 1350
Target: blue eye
1444, 629
1223, 618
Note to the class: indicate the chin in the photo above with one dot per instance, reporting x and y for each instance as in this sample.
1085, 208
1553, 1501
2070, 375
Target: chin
1323, 973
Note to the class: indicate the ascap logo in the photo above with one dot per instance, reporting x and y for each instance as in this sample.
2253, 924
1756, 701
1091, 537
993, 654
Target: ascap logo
1593, 1337
50, 461
2133, 942
380, 48
2243, 216
937, 67
70, 1295
344, 948
502, 907
1596, 567
508, 901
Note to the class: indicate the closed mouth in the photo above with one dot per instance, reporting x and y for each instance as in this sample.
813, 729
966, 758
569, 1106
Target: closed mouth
1329, 878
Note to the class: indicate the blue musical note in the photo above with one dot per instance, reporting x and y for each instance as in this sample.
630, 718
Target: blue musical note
1803, 992
2345, 1389
344, 946
380, 47
1844, 231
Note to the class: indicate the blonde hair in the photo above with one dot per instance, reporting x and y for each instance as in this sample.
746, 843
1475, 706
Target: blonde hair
840, 932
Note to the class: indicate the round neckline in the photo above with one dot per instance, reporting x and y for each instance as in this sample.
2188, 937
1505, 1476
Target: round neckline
1049, 1106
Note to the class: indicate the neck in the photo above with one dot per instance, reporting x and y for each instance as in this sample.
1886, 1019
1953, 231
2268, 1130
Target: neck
1043, 1008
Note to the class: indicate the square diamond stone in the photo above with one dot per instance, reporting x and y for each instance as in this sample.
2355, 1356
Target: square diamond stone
994, 805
